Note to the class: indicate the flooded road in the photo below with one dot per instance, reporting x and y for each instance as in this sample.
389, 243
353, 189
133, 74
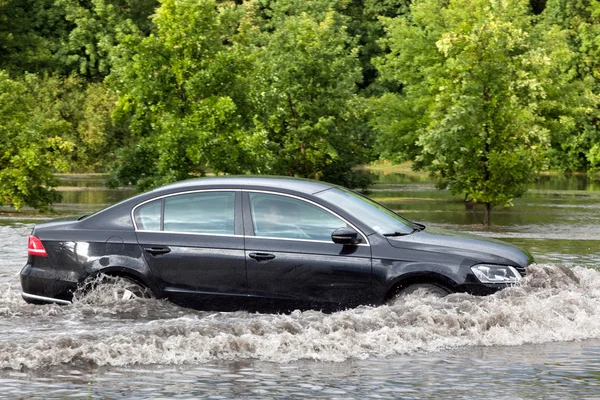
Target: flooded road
538, 340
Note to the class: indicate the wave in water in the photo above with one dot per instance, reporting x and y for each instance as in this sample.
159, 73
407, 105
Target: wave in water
553, 303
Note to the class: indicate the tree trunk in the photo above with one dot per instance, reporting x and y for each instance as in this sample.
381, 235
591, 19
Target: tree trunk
487, 219
469, 205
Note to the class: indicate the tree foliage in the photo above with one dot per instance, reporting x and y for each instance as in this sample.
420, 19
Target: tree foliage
479, 76
32, 146
96, 26
31, 36
183, 95
84, 111
305, 98
210, 90
481, 93
576, 134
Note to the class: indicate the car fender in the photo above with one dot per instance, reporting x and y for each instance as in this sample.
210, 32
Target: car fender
390, 275
134, 267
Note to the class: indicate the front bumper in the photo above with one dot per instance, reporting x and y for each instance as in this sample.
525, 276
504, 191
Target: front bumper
483, 289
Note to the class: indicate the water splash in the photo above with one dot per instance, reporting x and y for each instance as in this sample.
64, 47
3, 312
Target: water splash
553, 303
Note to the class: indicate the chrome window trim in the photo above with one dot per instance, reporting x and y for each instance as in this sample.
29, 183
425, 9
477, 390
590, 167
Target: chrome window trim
188, 233
305, 240
135, 227
366, 240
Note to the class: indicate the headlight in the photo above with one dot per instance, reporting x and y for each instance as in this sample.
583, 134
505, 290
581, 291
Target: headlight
496, 273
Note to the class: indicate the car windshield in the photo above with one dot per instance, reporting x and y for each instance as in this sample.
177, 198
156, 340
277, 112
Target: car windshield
379, 218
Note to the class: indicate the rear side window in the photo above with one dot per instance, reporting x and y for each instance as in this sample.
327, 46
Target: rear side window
208, 212
201, 212
147, 217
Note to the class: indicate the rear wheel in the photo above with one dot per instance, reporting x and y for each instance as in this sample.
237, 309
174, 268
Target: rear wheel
107, 288
127, 289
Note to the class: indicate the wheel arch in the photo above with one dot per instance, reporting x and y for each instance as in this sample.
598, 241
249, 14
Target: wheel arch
407, 280
129, 273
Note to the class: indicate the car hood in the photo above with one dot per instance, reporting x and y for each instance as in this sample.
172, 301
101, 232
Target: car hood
484, 250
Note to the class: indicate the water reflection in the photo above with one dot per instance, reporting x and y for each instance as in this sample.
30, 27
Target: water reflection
87, 193
83, 180
575, 181
96, 196
562, 205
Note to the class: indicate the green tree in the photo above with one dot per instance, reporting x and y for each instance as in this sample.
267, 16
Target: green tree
183, 95
32, 147
366, 25
84, 111
573, 118
361, 19
474, 77
306, 102
31, 36
95, 26
216, 87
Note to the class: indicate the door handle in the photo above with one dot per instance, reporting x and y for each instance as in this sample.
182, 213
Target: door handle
262, 256
155, 251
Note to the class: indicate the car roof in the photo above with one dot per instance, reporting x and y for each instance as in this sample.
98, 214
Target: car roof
298, 185
118, 216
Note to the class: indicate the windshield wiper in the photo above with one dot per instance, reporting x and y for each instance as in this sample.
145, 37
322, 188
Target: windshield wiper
396, 233
417, 226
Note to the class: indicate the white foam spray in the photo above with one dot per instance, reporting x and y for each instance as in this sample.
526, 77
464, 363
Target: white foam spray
553, 303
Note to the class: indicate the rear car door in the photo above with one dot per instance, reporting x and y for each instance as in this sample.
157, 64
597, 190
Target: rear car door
193, 243
291, 258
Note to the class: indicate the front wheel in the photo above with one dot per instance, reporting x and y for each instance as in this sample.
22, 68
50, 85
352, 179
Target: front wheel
422, 289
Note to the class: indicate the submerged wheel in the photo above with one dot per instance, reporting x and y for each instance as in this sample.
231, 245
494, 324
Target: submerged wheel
127, 289
424, 289
107, 288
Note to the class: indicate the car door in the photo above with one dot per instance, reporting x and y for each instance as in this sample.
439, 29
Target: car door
193, 244
290, 256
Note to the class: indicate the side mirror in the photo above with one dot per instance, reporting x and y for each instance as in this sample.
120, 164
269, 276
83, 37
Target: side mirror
345, 236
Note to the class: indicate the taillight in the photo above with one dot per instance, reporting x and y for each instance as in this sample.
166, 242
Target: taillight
35, 247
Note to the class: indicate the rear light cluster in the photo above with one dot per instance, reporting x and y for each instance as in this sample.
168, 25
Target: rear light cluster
35, 247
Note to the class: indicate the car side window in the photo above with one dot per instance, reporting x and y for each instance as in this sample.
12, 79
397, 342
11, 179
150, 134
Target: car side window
147, 217
201, 212
287, 217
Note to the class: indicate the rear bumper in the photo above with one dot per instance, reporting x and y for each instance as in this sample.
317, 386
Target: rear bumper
47, 286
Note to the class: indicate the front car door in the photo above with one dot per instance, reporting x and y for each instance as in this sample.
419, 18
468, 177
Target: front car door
193, 243
291, 259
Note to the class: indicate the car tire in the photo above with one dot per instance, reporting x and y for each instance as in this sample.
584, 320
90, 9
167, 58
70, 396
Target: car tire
115, 288
424, 289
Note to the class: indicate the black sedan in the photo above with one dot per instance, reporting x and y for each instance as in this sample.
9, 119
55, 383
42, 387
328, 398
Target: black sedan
255, 242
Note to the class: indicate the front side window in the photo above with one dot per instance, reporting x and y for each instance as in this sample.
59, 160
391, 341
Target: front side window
379, 218
199, 212
287, 217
